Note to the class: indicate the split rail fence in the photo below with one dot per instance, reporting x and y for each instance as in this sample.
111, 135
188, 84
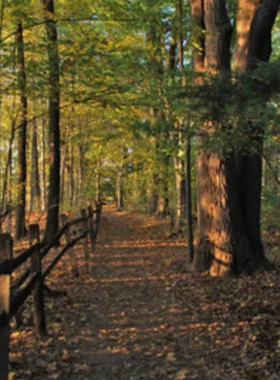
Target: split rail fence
31, 280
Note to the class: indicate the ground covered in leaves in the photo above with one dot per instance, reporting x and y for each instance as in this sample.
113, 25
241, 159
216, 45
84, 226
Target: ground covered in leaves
134, 314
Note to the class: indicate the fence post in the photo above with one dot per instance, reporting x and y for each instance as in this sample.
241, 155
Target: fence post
38, 292
91, 227
85, 229
6, 252
71, 252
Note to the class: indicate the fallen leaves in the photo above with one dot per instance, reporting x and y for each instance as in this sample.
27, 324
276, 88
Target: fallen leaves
171, 357
182, 374
135, 316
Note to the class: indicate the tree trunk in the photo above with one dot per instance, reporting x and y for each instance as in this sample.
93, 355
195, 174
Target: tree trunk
5, 201
187, 181
80, 174
119, 191
254, 24
52, 223
35, 196
163, 200
71, 174
229, 189
2, 12
189, 217
179, 182
98, 180
43, 163
10, 199
22, 167
214, 248
154, 196
76, 175
63, 173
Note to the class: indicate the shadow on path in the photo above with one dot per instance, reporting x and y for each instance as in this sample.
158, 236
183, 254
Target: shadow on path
138, 325
136, 316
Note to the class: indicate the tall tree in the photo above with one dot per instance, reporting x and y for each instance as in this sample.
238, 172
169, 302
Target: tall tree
229, 199
22, 167
253, 46
188, 188
52, 224
43, 186
35, 191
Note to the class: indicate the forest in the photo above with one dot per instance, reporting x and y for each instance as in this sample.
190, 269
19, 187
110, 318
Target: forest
165, 114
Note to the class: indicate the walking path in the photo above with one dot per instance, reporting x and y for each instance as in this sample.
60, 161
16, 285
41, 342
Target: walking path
137, 316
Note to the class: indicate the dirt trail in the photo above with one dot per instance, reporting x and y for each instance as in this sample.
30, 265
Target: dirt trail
136, 316
132, 318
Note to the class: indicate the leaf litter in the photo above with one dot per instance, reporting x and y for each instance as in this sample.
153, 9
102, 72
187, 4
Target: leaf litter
135, 314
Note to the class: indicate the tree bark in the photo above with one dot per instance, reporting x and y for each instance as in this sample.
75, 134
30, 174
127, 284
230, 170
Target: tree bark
35, 196
80, 174
71, 174
5, 201
22, 167
180, 191
98, 180
214, 249
163, 199
63, 173
187, 182
229, 188
254, 25
154, 193
119, 191
43, 163
189, 215
52, 223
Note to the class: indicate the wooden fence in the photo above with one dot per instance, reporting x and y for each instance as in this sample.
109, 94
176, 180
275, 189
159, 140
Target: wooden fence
31, 281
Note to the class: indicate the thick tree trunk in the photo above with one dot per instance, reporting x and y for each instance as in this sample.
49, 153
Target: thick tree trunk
21, 190
52, 223
214, 248
253, 45
229, 189
244, 17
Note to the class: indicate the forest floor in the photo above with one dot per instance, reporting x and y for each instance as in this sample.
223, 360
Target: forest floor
136, 315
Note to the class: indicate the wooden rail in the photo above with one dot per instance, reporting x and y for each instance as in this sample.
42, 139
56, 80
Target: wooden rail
13, 296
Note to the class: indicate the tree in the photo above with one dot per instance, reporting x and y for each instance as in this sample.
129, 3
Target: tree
52, 224
188, 189
35, 191
22, 166
229, 185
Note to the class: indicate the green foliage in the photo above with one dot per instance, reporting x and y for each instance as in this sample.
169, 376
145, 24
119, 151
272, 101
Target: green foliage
123, 105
